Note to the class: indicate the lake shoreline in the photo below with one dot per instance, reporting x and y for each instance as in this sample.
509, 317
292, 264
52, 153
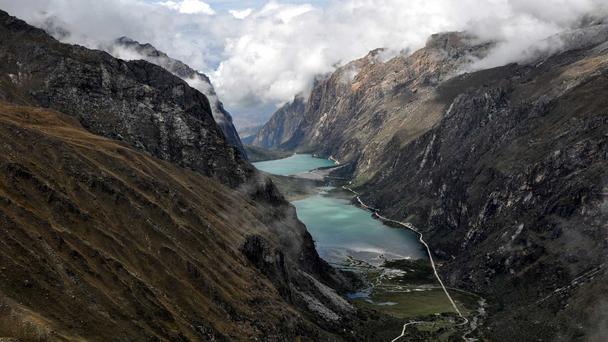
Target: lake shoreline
352, 239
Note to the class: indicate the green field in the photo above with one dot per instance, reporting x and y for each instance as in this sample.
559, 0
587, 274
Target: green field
407, 290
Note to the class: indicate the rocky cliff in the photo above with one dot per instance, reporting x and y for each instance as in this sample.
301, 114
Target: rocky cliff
355, 110
130, 49
136, 102
281, 126
125, 215
510, 187
502, 169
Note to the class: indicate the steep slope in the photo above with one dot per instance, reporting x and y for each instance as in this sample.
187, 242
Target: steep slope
281, 126
502, 169
355, 111
510, 188
136, 102
162, 233
101, 242
130, 49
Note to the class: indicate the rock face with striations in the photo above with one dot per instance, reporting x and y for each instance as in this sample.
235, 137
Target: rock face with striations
510, 189
357, 109
503, 170
136, 102
130, 49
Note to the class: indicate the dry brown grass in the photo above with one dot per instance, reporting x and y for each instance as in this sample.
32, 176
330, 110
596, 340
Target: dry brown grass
101, 241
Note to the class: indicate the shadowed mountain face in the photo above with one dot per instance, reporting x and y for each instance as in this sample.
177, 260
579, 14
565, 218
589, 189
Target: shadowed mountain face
504, 170
135, 102
510, 186
127, 48
125, 215
102, 242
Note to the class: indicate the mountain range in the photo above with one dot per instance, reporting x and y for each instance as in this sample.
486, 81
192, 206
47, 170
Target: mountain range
129, 210
502, 169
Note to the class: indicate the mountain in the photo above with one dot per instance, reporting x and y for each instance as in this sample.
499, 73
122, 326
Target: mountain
369, 99
125, 214
503, 170
281, 126
248, 134
103, 242
135, 102
130, 49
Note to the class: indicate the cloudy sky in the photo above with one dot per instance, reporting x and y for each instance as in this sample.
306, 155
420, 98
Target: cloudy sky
260, 53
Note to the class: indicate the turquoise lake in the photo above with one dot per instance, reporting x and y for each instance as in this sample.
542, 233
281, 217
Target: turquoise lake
295, 164
342, 231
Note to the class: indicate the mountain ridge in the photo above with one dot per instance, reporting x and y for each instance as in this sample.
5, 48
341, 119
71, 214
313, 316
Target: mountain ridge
101, 242
127, 48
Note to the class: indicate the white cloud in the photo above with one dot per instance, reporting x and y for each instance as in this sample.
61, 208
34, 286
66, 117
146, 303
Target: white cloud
266, 55
282, 47
189, 7
241, 14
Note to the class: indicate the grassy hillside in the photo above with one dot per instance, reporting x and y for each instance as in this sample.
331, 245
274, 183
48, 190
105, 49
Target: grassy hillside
102, 242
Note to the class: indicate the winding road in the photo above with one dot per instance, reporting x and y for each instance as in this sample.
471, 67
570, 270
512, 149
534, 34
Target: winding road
405, 326
421, 239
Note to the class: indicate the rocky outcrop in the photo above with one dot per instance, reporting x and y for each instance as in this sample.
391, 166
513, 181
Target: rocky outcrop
307, 292
130, 49
136, 102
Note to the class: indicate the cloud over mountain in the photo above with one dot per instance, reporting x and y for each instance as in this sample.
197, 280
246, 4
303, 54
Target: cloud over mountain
265, 54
